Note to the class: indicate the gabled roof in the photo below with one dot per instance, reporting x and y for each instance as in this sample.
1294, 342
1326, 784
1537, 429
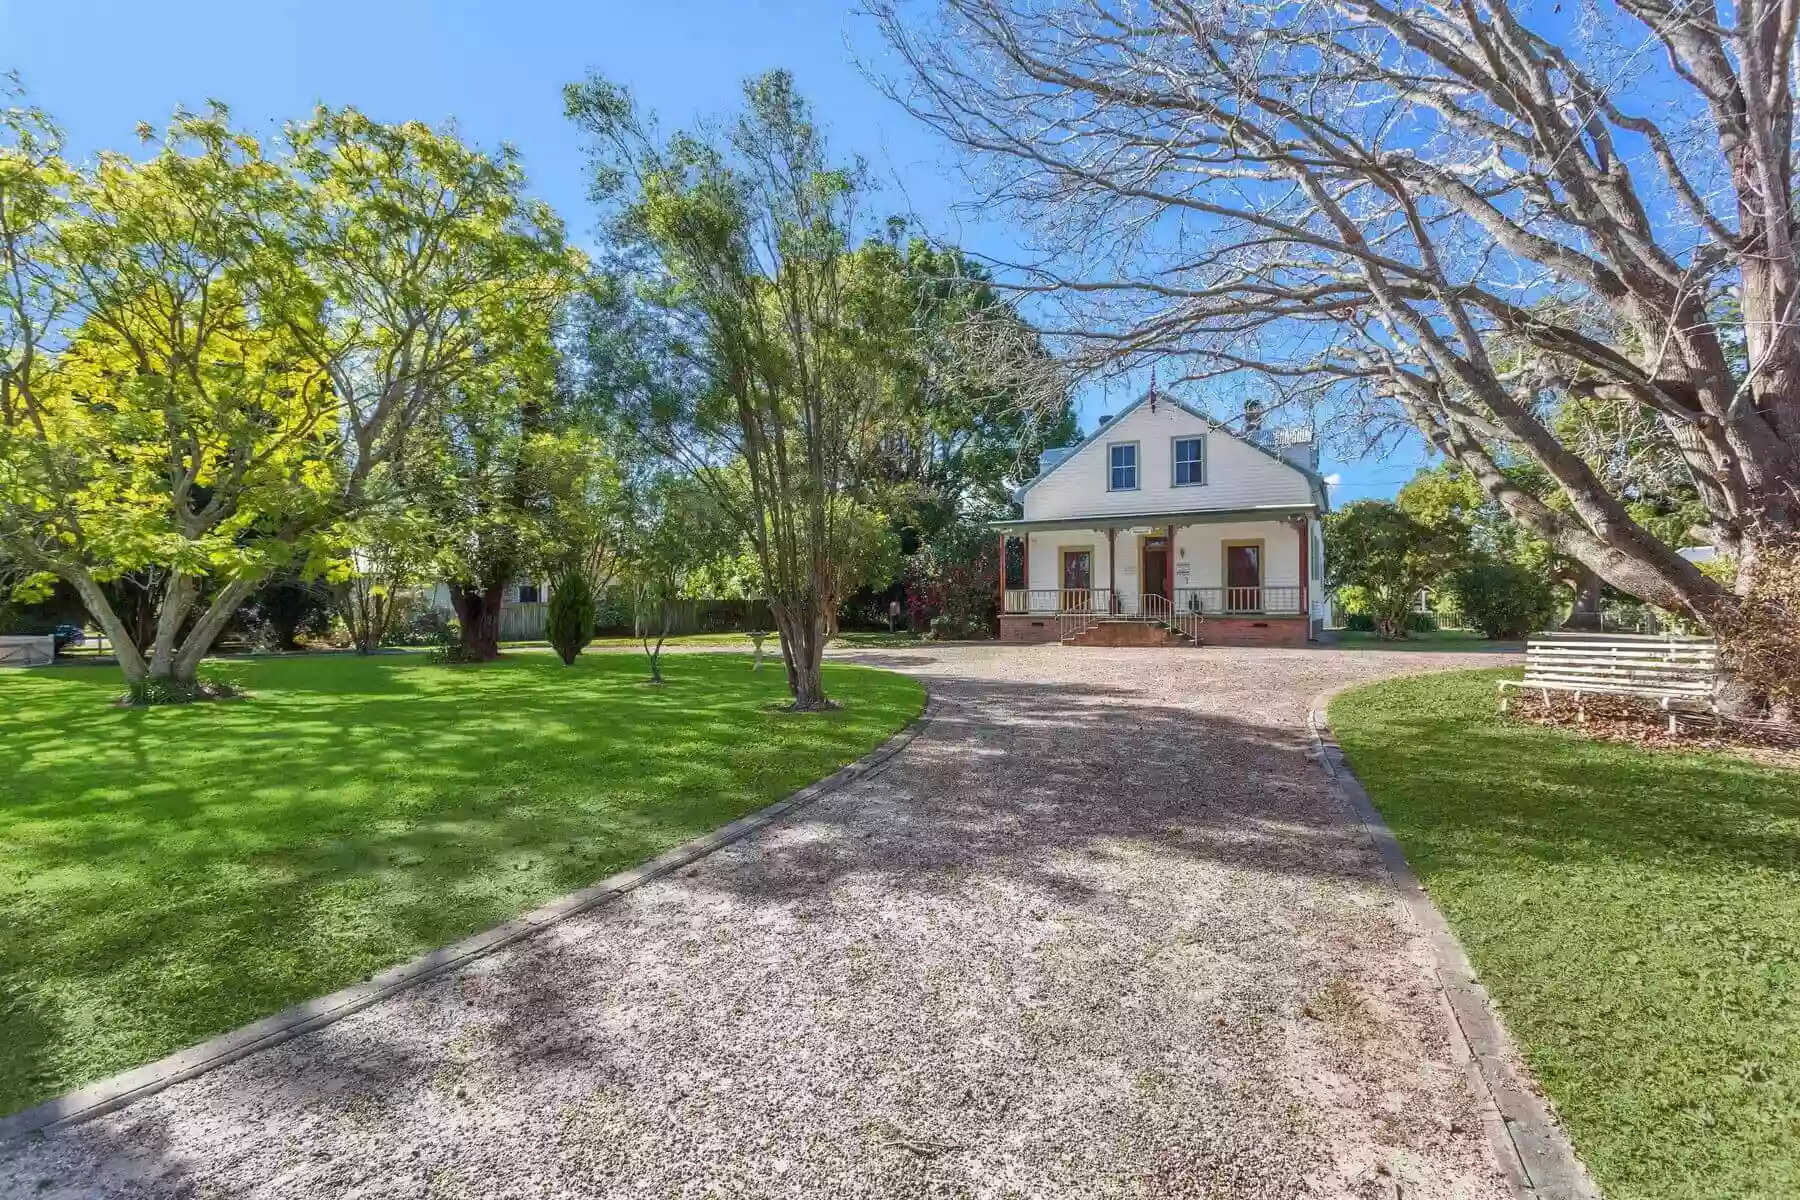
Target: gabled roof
1048, 466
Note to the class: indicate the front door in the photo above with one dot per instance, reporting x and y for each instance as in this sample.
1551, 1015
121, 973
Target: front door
1155, 567
1243, 576
1077, 579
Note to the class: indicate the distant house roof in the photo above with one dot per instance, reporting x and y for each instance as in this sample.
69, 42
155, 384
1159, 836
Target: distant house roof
1055, 456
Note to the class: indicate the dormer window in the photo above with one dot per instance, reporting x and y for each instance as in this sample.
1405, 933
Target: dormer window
1190, 461
1122, 467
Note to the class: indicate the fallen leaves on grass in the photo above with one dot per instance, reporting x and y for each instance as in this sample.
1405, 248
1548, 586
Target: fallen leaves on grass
1638, 722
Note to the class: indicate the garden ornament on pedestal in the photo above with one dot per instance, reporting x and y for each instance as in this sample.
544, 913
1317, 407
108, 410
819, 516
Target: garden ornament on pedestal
757, 640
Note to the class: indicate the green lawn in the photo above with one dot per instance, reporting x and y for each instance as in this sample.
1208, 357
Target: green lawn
172, 873
856, 639
1635, 914
674, 642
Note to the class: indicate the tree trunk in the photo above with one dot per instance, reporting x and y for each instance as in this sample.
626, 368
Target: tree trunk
186, 665
125, 646
174, 661
802, 629
478, 610
1584, 609
654, 652
179, 594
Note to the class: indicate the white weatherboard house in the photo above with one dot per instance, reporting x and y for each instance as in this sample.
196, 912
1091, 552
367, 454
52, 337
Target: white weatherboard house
1162, 528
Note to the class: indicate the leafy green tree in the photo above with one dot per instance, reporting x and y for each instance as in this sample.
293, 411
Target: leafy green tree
672, 528
207, 354
486, 466
971, 396
571, 618
742, 249
1390, 555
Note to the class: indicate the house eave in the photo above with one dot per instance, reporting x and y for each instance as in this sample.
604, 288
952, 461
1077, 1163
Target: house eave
1268, 512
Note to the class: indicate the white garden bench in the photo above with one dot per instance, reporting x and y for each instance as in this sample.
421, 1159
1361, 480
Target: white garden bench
1674, 671
23, 650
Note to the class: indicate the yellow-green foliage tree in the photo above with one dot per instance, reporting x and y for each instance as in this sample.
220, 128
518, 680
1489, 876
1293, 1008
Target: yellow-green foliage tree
206, 355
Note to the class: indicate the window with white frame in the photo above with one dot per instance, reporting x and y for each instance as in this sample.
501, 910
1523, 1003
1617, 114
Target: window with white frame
1190, 461
1122, 464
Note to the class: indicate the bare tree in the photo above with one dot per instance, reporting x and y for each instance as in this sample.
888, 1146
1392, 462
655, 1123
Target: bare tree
1460, 214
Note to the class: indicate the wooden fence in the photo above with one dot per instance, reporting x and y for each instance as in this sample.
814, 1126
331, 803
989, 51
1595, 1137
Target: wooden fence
527, 622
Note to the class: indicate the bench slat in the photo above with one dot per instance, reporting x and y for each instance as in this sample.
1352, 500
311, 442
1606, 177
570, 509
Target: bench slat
1635, 656
1588, 657
1653, 639
1674, 668
1670, 669
1648, 686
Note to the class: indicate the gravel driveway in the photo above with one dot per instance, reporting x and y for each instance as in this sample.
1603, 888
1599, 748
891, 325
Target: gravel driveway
1100, 931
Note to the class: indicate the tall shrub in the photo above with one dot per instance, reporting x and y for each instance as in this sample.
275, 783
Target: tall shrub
956, 577
570, 622
1503, 600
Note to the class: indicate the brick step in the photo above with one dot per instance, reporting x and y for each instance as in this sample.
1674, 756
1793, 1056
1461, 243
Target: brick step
1129, 633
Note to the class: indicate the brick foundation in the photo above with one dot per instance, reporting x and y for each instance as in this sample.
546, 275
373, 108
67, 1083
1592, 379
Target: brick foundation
1023, 629
1254, 631
1214, 631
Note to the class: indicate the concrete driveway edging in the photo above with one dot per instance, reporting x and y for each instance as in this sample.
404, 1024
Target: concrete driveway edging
109, 1095
1534, 1150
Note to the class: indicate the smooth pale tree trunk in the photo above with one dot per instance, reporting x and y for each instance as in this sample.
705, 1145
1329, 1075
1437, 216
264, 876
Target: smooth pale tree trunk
653, 650
171, 660
207, 629
478, 610
366, 612
125, 646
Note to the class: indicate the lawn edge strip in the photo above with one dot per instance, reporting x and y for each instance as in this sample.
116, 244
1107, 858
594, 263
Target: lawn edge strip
109, 1095
1535, 1153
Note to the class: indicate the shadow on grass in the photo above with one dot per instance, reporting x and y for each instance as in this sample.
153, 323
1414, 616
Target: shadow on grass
167, 874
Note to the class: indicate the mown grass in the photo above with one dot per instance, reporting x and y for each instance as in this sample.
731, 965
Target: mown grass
853, 639
674, 642
1438, 640
1634, 913
171, 873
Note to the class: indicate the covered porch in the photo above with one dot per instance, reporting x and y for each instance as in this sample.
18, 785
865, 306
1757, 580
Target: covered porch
1222, 577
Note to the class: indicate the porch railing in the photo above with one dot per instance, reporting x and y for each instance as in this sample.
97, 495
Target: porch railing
1258, 601
1162, 610
1059, 600
1198, 601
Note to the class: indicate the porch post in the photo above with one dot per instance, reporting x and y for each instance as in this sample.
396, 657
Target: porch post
1169, 570
1025, 566
1303, 526
1112, 572
1003, 540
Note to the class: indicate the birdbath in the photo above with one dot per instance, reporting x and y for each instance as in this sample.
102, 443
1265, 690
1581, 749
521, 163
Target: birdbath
756, 639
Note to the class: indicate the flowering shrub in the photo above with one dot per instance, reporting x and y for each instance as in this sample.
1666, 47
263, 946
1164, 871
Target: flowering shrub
956, 576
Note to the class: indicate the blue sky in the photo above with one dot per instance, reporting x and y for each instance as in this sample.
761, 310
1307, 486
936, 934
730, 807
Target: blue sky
100, 66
